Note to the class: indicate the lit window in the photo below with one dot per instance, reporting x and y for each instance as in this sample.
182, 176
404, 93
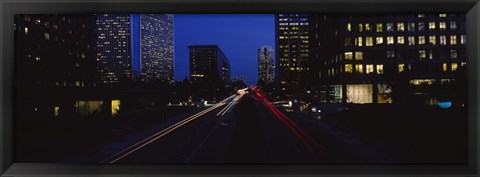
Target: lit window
360, 41
453, 25
26, 30
379, 27
400, 27
47, 36
442, 25
421, 15
442, 15
463, 39
360, 27
368, 27
390, 54
422, 54
453, 40
431, 25
421, 26
411, 26
401, 68
454, 66
348, 55
444, 67
379, 40
390, 40
349, 26
453, 54
37, 58
369, 69
422, 81
369, 41
389, 27
348, 68
400, 40
430, 55
411, 40
379, 69
359, 68
432, 40
358, 55
443, 40
421, 40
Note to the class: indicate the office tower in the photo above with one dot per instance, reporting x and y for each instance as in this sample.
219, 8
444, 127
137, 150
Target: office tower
113, 47
208, 64
266, 67
156, 47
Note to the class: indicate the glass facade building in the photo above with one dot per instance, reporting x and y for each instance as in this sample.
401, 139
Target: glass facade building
208, 64
266, 65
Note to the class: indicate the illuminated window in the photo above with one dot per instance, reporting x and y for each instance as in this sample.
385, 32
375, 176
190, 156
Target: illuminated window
453, 40
390, 40
349, 26
401, 68
463, 39
442, 15
422, 81
432, 40
360, 41
444, 67
26, 30
379, 40
348, 68
390, 54
47, 36
430, 55
411, 40
56, 111
358, 55
443, 40
453, 54
442, 25
369, 41
379, 69
431, 25
421, 15
400, 26
348, 55
421, 40
37, 58
421, 26
369, 69
453, 25
359, 68
379, 27
115, 107
389, 27
454, 66
411, 26
422, 54
360, 27
348, 41
368, 27
400, 40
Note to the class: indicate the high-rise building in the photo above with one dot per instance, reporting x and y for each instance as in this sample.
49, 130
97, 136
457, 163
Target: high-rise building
208, 64
293, 53
156, 47
390, 58
113, 47
266, 66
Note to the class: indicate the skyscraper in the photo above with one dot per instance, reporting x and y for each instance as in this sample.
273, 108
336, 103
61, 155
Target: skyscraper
292, 51
266, 67
208, 64
156, 47
113, 47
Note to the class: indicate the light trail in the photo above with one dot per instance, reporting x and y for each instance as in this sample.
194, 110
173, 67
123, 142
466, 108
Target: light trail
230, 105
161, 133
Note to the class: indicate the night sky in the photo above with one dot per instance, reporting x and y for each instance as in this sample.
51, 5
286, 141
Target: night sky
238, 35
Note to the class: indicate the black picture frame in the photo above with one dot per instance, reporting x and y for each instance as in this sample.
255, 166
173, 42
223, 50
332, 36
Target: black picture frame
8, 8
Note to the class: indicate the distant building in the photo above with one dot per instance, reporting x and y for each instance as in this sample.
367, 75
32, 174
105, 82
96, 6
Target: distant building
156, 47
113, 47
389, 58
293, 51
266, 65
208, 65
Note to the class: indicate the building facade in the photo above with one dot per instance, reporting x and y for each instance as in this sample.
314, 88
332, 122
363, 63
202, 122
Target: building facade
113, 47
266, 65
208, 65
157, 48
394, 58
